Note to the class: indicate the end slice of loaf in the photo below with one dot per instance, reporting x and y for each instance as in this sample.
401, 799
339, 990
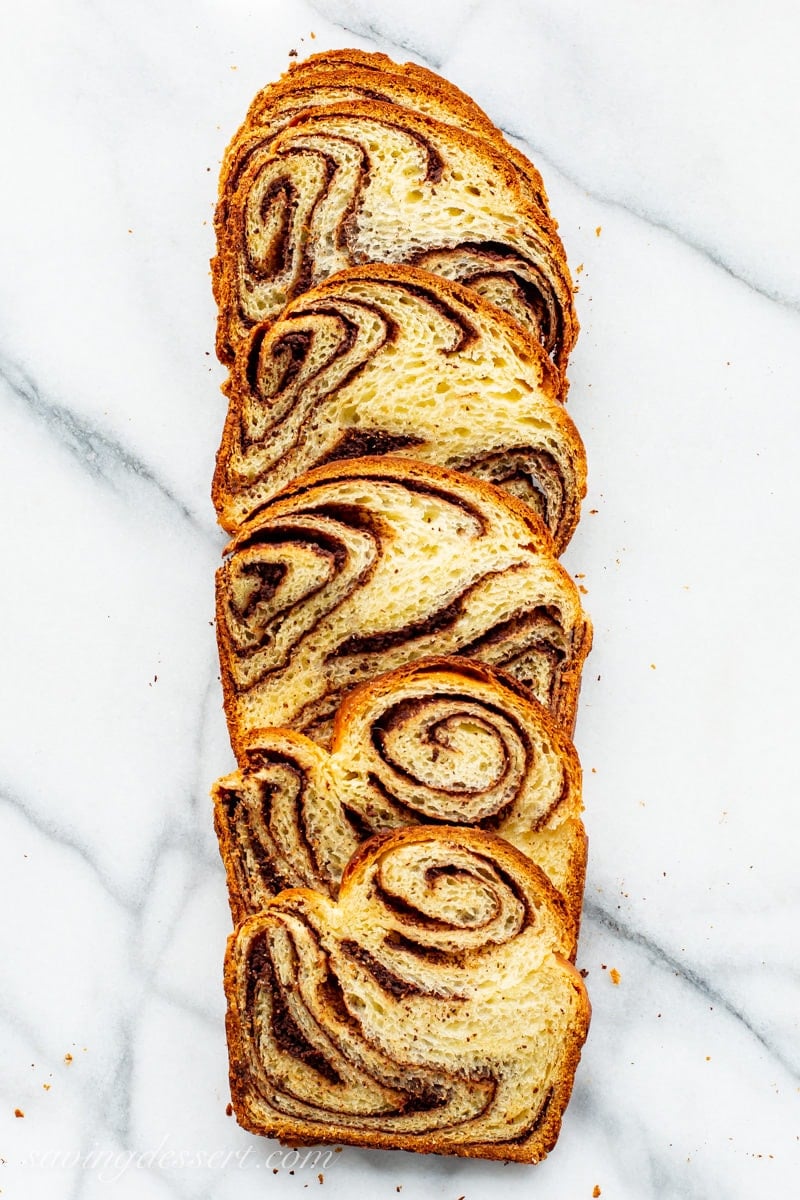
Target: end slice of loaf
443, 740
395, 359
343, 75
360, 182
368, 564
432, 1007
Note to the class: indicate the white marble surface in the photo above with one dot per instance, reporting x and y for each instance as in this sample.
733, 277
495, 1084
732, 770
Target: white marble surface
667, 136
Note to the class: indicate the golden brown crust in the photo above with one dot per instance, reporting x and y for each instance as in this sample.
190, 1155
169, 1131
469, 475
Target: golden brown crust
296, 1050
443, 740
531, 240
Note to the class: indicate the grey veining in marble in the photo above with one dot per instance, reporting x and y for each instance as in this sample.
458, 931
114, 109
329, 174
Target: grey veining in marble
667, 140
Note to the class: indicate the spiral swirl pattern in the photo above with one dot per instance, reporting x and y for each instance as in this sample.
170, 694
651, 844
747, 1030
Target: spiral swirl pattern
360, 182
368, 564
443, 741
432, 1007
395, 360
343, 75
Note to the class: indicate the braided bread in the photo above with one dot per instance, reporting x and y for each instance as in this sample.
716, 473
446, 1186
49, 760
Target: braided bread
432, 1007
394, 359
443, 741
358, 182
367, 564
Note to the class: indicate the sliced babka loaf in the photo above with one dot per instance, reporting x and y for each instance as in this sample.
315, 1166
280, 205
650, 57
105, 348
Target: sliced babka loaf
394, 359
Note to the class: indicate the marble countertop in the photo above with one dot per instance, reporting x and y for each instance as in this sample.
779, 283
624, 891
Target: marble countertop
667, 137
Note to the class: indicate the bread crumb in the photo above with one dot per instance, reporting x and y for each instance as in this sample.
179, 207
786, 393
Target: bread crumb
597, 233
579, 269
234, 68
292, 54
67, 1059
708, 1058
46, 1086
321, 1178
615, 976
228, 1110
593, 511
596, 1191
18, 1112
652, 666
584, 591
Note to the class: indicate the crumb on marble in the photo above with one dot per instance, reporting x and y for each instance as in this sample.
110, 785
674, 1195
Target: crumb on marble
67, 1058
292, 54
583, 972
321, 1178
652, 666
228, 1110
593, 511
598, 231
615, 976
313, 35
18, 1112
596, 1191
47, 1086
584, 591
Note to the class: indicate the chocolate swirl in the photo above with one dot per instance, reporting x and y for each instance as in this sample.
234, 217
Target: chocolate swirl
395, 360
368, 564
367, 181
331, 79
441, 741
430, 1008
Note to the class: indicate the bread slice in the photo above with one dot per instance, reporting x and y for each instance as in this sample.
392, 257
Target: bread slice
392, 358
374, 76
367, 564
342, 75
358, 182
443, 740
432, 1007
